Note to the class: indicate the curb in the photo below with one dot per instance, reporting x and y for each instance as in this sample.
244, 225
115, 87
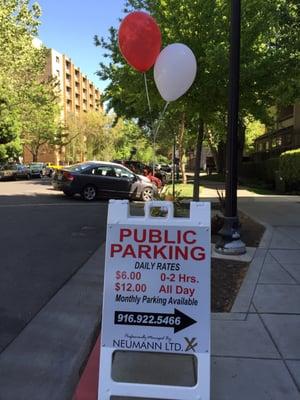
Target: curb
68, 325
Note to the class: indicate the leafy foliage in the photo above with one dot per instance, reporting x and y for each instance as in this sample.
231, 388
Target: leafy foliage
289, 166
270, 58
39, 115
28, 106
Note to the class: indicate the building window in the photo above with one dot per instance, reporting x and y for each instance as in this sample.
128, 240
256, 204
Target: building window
58, 72
68, 64
279, 141
57, 59
69, 105
286, 112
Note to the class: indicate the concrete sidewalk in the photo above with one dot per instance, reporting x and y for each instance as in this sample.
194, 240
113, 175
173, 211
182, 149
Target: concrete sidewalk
255, 347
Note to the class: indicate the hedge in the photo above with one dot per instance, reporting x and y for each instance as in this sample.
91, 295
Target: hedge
260, 170
289, 167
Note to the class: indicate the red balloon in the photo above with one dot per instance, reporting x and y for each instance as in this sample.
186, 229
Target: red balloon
139, 40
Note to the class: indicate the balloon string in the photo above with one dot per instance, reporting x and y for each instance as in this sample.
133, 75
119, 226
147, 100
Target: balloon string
160, 118
155, 134
147, 93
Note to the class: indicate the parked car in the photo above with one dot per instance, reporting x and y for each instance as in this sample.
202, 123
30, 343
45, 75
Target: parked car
164, 167
36, 169
103, 179
22, 172
12, 171
138, 168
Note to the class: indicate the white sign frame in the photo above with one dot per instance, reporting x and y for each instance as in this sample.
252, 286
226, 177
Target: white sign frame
118, 215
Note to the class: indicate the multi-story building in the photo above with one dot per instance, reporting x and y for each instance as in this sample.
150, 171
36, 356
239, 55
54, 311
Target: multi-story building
284, 136
77, 94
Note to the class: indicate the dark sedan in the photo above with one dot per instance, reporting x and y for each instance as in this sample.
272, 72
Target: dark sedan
13, 171
103, 179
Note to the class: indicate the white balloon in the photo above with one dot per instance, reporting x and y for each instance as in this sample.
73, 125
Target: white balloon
174, 71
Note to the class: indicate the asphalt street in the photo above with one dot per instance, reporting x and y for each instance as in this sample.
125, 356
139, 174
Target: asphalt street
44, 239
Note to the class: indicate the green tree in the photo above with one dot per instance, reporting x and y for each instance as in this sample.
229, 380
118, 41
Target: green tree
132, 142
89, 136
21, 63
40, 116
269, 61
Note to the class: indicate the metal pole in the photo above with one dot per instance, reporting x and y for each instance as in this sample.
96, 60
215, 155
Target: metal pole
233, 112
231, 243
173, 167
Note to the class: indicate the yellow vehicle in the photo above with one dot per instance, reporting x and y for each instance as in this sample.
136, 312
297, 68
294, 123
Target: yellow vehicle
50, 169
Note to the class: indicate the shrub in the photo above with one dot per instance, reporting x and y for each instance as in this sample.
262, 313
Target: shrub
259, 171
271, 166
289, 167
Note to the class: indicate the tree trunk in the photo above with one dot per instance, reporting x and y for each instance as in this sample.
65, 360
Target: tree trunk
200, 136
35, 156
182, 158
221, 157
213, 150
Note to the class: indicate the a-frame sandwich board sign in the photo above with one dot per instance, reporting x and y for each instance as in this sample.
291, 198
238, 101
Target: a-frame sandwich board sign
156, 294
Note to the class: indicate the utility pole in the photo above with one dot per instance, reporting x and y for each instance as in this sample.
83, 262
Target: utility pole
231, 242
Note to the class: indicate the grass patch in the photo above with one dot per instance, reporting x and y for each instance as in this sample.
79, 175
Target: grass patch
213, 178
182, 190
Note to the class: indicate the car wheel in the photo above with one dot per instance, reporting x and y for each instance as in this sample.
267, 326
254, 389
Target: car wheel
147, 194
89, 193
28, 177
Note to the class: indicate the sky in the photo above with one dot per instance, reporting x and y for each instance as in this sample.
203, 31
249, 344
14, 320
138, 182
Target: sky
69, 26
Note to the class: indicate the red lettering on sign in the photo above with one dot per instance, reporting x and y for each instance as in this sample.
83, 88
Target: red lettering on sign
155, 251
198, 253
154, 236
159, 251
129, 251
124, 233
144, 250
181, 252
142, 237
186, 239
115, 248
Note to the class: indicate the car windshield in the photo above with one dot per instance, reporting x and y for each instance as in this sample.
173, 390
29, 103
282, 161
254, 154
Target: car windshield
7, 166
79, 167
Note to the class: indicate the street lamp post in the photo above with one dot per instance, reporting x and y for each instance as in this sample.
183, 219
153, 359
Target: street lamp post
231, 242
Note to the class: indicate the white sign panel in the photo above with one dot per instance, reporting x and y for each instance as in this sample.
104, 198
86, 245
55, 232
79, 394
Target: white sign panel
157, 281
